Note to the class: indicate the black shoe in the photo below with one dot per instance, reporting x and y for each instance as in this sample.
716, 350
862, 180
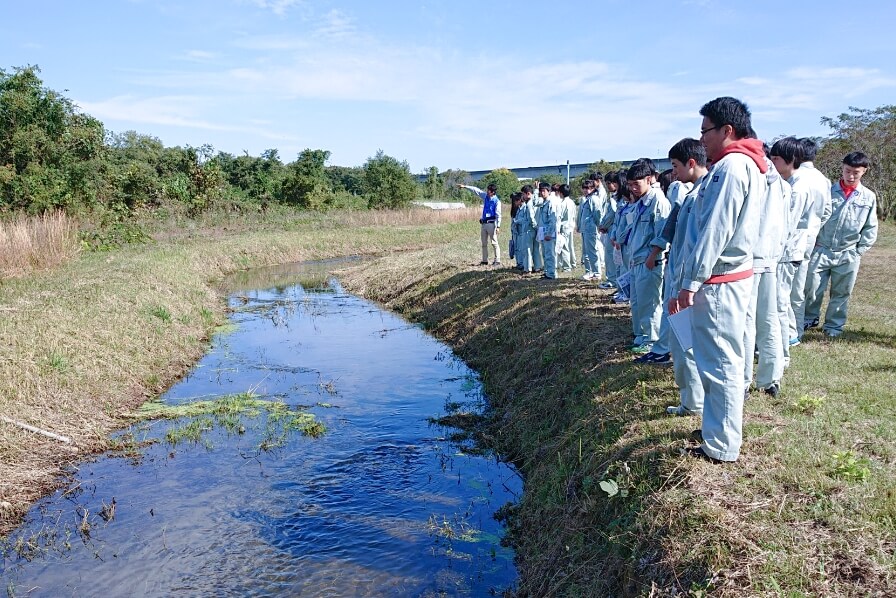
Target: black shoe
660, 358
773, 390
699, 453
811, 324
697, 436
646, 358
483, 263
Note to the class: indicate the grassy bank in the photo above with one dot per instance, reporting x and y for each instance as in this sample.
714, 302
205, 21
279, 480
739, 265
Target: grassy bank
84, 343
611, 504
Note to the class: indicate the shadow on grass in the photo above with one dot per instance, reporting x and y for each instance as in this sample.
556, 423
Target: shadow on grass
853, 337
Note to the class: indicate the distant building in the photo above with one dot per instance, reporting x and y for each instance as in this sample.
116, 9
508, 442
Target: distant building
534, 172
441, 205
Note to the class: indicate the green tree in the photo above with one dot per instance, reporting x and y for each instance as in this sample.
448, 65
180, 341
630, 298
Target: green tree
450, 180
349, 179
388, 183
504, 180
256, 178
433, 189
872, 132
50, 153
306, 184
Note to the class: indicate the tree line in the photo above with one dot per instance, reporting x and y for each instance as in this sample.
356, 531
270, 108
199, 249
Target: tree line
53, 156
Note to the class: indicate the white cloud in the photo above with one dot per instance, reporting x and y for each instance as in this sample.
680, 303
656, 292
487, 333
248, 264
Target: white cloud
176, 111
198, 56
335, 24
278, 7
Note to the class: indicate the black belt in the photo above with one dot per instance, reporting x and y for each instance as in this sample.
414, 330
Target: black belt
486, 221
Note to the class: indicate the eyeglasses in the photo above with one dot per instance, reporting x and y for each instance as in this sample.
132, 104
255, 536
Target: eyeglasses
708, 129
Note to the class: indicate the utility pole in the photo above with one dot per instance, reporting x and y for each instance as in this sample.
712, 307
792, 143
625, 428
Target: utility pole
567, 172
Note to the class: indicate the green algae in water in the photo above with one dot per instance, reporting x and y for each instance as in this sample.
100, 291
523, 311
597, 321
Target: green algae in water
230, 412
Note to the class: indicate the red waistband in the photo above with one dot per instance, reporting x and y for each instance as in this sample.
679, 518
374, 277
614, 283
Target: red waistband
730, 277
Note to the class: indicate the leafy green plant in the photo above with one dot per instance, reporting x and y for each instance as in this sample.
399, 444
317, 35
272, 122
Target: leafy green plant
161, 312
808, 404
848, 466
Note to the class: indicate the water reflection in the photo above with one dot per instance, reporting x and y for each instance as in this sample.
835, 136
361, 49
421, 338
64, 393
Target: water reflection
382, 505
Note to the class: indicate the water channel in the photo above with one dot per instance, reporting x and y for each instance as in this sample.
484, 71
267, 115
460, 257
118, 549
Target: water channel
384, 503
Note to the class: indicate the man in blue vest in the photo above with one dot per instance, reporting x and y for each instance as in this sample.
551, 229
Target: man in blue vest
490, 222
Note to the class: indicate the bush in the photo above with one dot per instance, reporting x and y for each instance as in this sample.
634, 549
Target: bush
388, 183
505, 180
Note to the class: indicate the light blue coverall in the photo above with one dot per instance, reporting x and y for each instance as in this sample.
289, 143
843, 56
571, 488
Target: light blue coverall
763, 328
792, 259
726, 222
646, 294
817, 213
567, 228
538, 246
677, 193
625, 220
591, 213
550, 217
683, 239
525, 223
843, 240
606, 224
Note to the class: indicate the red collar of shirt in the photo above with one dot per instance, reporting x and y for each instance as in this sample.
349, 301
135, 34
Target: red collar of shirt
847, 191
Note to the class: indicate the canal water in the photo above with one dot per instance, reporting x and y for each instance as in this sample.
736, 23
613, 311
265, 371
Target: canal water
384, 503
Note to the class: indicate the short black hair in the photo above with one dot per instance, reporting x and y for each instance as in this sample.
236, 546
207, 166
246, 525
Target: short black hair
492, 187
544, 186
665, 179
688, 149
623, 184
527, 189
789, 149
564, 190
612, 177
857, 160
810, 149
516, 196
639, 170
729, 111
650, 165
596, 176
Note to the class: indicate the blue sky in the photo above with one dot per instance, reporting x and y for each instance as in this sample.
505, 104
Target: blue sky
459, 84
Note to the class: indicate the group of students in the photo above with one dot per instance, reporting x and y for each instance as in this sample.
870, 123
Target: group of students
749, 237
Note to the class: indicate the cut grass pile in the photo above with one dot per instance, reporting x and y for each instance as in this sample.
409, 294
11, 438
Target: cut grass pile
611, 505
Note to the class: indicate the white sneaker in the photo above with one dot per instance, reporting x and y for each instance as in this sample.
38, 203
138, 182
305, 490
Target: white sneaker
496, 263
587, 276
606, 285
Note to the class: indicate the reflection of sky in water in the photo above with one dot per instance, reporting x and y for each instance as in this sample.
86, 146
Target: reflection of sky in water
365, 510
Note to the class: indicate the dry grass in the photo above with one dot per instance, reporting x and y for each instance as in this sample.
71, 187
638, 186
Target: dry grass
810, 508
29, 243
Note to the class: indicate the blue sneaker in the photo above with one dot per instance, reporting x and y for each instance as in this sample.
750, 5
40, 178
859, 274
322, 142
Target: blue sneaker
794, 342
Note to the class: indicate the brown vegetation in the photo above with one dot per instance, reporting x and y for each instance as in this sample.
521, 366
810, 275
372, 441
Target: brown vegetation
29, 243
